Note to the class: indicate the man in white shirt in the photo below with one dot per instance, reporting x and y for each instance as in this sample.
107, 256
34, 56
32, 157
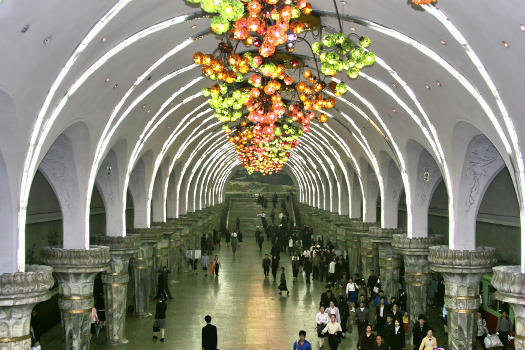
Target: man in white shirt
290, 246
331, 272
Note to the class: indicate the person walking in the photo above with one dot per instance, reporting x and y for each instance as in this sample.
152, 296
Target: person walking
260, 241
366, 339
295, 266
216, 265
362, 315
397, 340
331, 272
481, 330
282, 283
351, 292
419, 331
159, 324
209, 335
205, 260
316, 262
429, 342
344, 311
302, 343
380, 344
321, 320
275, 266
381, 311
334, 310
234, 242
266, 262
307, 268
503, 328
333, 328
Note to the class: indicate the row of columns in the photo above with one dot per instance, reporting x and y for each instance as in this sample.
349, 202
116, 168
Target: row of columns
147, 250
371, 248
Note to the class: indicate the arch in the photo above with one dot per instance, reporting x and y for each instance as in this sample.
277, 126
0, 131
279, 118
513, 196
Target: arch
424, 175
481, 163
11, 258
109, 181
393, 186
137, 186
64, 166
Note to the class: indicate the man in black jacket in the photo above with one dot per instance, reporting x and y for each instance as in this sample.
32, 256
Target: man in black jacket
419, 331
209, 335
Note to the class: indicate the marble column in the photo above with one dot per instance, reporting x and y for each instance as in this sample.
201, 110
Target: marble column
417, 271
369, 257
19, 293
360, 232
115, 281
462, 271
389, 260
510, 283
141, 268
75, 270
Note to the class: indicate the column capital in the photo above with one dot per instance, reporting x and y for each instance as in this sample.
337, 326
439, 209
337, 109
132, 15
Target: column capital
509, 281
445, 260
95, 259
383, 235
19, 292
29, 287
416, 245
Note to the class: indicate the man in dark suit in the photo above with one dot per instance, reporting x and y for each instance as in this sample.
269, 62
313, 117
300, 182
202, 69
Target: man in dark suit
419, 331
209, 335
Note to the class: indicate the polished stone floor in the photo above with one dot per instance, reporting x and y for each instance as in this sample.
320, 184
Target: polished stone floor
246, 308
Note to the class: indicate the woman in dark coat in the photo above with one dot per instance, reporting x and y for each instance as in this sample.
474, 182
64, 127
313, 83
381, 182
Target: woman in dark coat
367, 339
282, 284
397, 340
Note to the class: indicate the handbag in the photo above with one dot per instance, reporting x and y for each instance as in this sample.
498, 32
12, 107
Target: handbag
156, 326
492, 341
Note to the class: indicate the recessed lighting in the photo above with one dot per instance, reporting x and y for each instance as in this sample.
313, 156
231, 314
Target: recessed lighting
148, 111
394, 110
394, 85
171, 103
107, 80
438, 83
522, 27
443, 42
115, 86
427, 86
194, 26
353, 29
144, 106
103, 39
505, 44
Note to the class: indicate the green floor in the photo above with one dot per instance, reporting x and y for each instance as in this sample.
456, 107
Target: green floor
246, 308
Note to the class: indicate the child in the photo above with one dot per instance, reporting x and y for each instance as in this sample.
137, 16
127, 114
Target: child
216, 265
211, 267
282, 284
405, 322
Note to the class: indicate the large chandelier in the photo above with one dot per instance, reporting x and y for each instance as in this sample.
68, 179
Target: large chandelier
264, 94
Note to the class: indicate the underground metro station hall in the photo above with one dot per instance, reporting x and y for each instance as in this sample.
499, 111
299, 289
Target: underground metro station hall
262, 174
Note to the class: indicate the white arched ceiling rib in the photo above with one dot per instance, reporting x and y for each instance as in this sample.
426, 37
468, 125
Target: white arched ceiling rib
314, 176
223, 159
519, 167
39, 133
312, 142
307, 195
310, 154
197, 151
203, 169
208, 174
308, 186
222, 174
517, 157
299, 183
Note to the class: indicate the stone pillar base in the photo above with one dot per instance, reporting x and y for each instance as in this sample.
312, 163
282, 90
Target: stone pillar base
19, 293
462, 271
76, 270
388, 260
142, 265
417, 272
510, 282
115, 281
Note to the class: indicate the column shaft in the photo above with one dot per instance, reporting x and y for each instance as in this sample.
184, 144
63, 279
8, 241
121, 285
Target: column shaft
75, 270
141, 277
462, 271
